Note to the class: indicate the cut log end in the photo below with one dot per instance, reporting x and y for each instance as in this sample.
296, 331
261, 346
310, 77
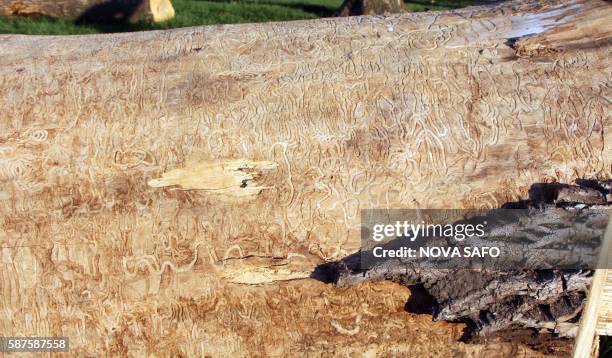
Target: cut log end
161, 10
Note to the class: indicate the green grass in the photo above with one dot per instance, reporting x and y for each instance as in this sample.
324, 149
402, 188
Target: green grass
200, 12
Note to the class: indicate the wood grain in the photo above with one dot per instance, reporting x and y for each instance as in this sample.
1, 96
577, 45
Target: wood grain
604, 324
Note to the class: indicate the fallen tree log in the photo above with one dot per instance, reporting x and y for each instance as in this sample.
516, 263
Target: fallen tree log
91, 10
134, 166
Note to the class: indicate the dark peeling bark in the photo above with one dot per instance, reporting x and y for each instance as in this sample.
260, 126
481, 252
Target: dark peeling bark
492, 301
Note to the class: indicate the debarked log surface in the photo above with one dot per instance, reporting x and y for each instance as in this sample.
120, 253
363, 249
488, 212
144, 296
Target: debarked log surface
171, 192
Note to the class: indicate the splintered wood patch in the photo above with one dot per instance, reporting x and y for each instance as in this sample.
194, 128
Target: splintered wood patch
262, 270
234, 178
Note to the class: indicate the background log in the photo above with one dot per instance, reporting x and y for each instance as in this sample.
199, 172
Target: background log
113, 149
91, 10
370, 7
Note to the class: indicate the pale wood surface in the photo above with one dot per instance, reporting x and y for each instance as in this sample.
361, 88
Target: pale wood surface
110, 236
597, 305
604, 325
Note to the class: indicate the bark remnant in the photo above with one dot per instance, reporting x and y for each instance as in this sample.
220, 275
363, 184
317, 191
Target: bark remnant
492, 301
